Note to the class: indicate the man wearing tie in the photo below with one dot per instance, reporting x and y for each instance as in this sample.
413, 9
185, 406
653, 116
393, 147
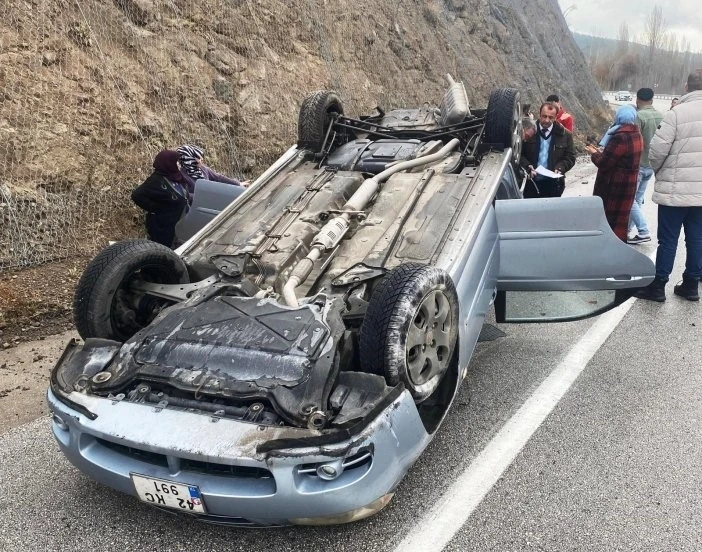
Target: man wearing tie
551, 148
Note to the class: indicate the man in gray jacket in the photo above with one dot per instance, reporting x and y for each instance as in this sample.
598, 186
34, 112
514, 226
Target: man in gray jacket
676, 157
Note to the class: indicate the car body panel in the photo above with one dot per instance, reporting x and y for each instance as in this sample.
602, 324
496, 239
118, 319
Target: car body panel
564, 244
209, 199
241, 495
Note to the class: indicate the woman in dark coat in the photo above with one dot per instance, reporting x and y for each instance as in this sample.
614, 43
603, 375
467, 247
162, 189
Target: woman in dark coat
164, 198
618, 168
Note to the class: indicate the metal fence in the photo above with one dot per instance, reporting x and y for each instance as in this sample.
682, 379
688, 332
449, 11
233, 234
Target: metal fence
91, 90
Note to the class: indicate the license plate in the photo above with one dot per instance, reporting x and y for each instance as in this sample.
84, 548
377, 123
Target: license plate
168, 494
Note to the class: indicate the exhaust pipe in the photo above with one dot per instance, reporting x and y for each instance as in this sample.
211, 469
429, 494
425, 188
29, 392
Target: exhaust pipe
332, 232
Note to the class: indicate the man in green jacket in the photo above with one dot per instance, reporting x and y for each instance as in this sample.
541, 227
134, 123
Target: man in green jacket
648, 120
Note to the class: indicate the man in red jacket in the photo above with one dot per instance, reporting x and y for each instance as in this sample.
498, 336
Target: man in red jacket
563, 117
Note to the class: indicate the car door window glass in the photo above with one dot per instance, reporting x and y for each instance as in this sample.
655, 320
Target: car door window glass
509, 188
552, 306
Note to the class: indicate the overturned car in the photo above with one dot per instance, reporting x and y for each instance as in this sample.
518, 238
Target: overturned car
292, 359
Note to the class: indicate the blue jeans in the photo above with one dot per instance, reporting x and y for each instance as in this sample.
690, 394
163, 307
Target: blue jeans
670, 220
636, 218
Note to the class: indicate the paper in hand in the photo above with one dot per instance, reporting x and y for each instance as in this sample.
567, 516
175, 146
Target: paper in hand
543, 171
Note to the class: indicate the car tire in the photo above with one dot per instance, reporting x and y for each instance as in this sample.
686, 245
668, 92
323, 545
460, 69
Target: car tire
316, 113
409, 309
503, 120
103, 305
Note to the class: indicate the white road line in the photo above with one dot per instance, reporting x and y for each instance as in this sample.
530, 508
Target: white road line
456, 505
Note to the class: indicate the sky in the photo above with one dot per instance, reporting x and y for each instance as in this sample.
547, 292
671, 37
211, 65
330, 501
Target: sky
603, 18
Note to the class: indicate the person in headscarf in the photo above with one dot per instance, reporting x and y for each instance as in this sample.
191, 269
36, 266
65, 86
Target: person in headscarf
617, 163
192, 168
164, 198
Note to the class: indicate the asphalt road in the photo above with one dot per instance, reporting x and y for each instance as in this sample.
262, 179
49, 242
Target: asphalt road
617, 465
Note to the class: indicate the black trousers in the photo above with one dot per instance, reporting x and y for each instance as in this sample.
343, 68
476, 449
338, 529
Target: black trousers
160, 227
544, 187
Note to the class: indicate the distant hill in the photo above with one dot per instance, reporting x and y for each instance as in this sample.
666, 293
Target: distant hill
614, 70
588, 43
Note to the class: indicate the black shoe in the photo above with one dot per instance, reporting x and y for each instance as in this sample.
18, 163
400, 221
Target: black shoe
638, 239
688, 289
655, 291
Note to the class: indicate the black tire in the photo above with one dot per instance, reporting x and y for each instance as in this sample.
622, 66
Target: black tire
317, 111
503, 120
104, 306
409, 309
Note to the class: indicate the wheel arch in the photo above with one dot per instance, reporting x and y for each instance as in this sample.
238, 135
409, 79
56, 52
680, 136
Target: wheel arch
102, 304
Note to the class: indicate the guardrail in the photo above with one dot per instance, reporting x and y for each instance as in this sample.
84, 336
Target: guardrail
633, 95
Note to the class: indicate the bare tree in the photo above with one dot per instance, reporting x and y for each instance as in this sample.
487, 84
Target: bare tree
655, 58
654, 32
623, 44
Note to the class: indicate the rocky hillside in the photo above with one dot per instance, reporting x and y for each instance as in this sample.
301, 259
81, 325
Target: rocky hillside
92, 89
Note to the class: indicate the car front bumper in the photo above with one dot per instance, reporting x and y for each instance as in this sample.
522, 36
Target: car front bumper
111, 439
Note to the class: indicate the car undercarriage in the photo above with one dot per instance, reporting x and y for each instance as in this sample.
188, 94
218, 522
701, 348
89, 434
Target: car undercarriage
276, 329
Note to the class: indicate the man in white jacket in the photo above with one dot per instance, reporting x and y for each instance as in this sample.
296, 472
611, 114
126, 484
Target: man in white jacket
676, 158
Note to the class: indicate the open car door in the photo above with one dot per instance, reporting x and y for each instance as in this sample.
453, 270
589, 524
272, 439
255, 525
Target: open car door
559, 260
209, 199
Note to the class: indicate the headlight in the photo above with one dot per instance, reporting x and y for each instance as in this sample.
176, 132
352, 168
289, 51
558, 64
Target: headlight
330, 470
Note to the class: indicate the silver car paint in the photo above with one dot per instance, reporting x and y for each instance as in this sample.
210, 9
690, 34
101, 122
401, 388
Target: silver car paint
396, 437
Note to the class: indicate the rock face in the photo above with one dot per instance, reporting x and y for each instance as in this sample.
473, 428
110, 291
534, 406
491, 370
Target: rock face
92, 90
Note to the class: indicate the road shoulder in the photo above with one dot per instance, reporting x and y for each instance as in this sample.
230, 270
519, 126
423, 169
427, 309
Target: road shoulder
24, 378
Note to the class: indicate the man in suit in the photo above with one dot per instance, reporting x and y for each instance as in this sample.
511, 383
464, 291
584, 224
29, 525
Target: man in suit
551, 147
